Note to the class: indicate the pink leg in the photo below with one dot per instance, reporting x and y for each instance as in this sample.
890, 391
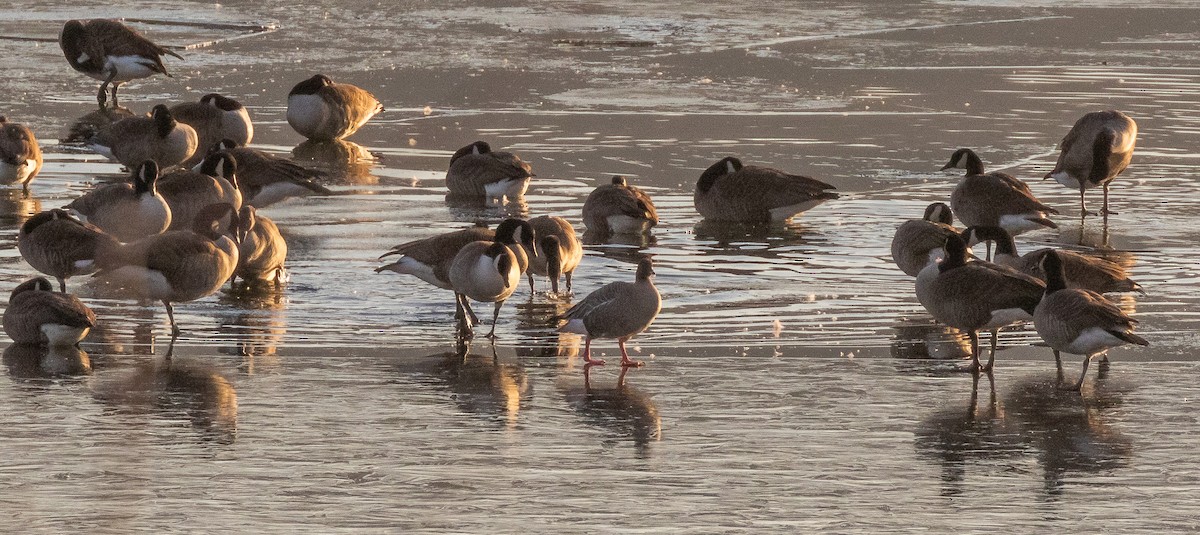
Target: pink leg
587, 354
625, 360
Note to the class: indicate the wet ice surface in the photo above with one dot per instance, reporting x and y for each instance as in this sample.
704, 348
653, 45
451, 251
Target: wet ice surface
340, 405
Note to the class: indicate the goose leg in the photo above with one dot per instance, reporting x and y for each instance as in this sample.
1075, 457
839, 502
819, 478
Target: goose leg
472, 319
587, 355
62, 284
495, 316
974, 337
114, 94
1058, 365
989, 251
171, 316
102, 95
1087, 359
1105, 210
625, 360
568, 274
530, 275
992, 357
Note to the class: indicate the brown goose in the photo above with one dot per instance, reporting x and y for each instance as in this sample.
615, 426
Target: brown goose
619, 208
1081, 271
111, 52
127, 211
188, 192
429, 259
558, 251
319, 108
995, 199
483, 271
59, 245
20, 155
476, 171
176, 266
1080, 322
919, 242
262, 250
1095, 150
265, 179
38, 315
729, 191
158, 137
617, 310
214, 118
975, 295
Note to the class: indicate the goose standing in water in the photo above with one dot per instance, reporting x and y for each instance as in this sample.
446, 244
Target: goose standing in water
61, 246
127, 211
111, 52
975, 295
1080, 322
619, 208
261, 249
729, 191
476, 171
918, 242
1095, 150
20, 154
1081, 271
158, 137
321, 109
38, 315
558, 251
215, 118
486, 272
995, 199
617, 310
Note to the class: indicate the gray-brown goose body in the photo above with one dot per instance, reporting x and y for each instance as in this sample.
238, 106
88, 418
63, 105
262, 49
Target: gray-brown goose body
321, 109
478, 171
1077, 321
176, 266
558, 251
61, 246
214, 118
1096, 149
484, 271
128, 211
38, 315
995, 199
616, 310
188, 192
974, 295
20, 154
265, 179
918, 242
111, 52
158, 137
262, 249
730, 191
429, 258
619, 208
1081, 271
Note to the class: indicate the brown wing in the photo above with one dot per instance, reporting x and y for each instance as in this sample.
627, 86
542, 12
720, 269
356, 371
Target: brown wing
117, 39
106, 195
355, 105
1083, 309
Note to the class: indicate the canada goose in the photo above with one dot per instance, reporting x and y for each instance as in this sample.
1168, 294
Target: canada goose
111, 52
1077, 321
995, 199
919, 241
158, 137
975, 295
1094, 152
617, 310
214, 118
483, 271
476, 171
20, 155
429, 259
187, 192
262, 250
619, 208
518, 235
265, 179
176, 266
127, 212
729, 191
38, 315
1081, 271
558, 250
319, 108
59, 245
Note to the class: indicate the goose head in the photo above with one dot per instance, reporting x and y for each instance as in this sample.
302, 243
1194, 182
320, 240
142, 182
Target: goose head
146, 177
727, 166
36, 284
221, 102
215, 221
502, 260
939, 212
220, 165
517, 231
312, 85
645, 270
164, 122
478, 147
965, 159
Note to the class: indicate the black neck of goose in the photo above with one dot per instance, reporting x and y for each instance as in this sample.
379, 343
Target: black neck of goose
144, 180
956, 254
1004, 241
974, 164
1055, 278
645, 270
164, 123
1101, 151
710, 175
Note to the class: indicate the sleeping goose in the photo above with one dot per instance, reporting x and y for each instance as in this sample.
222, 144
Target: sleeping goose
616, 310
1081, 271
214, 118
127, 211
319, 108
188, 192
111, 52
158, 137
918, 242
20, 154
619, 208
61, 246
729, 191
476, 171
995, 199
1095, 150
38, 315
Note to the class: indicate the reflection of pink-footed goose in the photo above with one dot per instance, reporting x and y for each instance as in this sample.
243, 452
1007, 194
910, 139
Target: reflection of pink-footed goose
729, 191
20, 154
619, 208
61, 246
1094, 152
617, 310
127, 211
1081, 271
37, 314
995, 199
919, 241
319, 108
111, 52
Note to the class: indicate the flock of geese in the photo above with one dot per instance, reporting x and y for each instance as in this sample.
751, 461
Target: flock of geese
187, 221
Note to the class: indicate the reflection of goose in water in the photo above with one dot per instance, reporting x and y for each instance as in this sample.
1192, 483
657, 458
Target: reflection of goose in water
31, 362
929, 340
742, 243
257, 330
16, 207
627, 413
175, 388
468, 209
344, 162
480, 384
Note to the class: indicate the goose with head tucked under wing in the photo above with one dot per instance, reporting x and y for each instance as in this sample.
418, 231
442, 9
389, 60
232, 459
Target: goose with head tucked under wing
158, 137
617, 310
176, 266
483, 271
974, 295
558, 251
1081, 271
1077, 321
265, 179
321, 109
1096, 149
111, 52
20, 154
261, 249
188, 192
730, 191
127, 211
214, 118
477, 171
61, 246
38, 315
995, 199
918, 242
619, 208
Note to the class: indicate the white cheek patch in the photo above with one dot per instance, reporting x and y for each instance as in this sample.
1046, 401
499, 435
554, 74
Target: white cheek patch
83, 58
